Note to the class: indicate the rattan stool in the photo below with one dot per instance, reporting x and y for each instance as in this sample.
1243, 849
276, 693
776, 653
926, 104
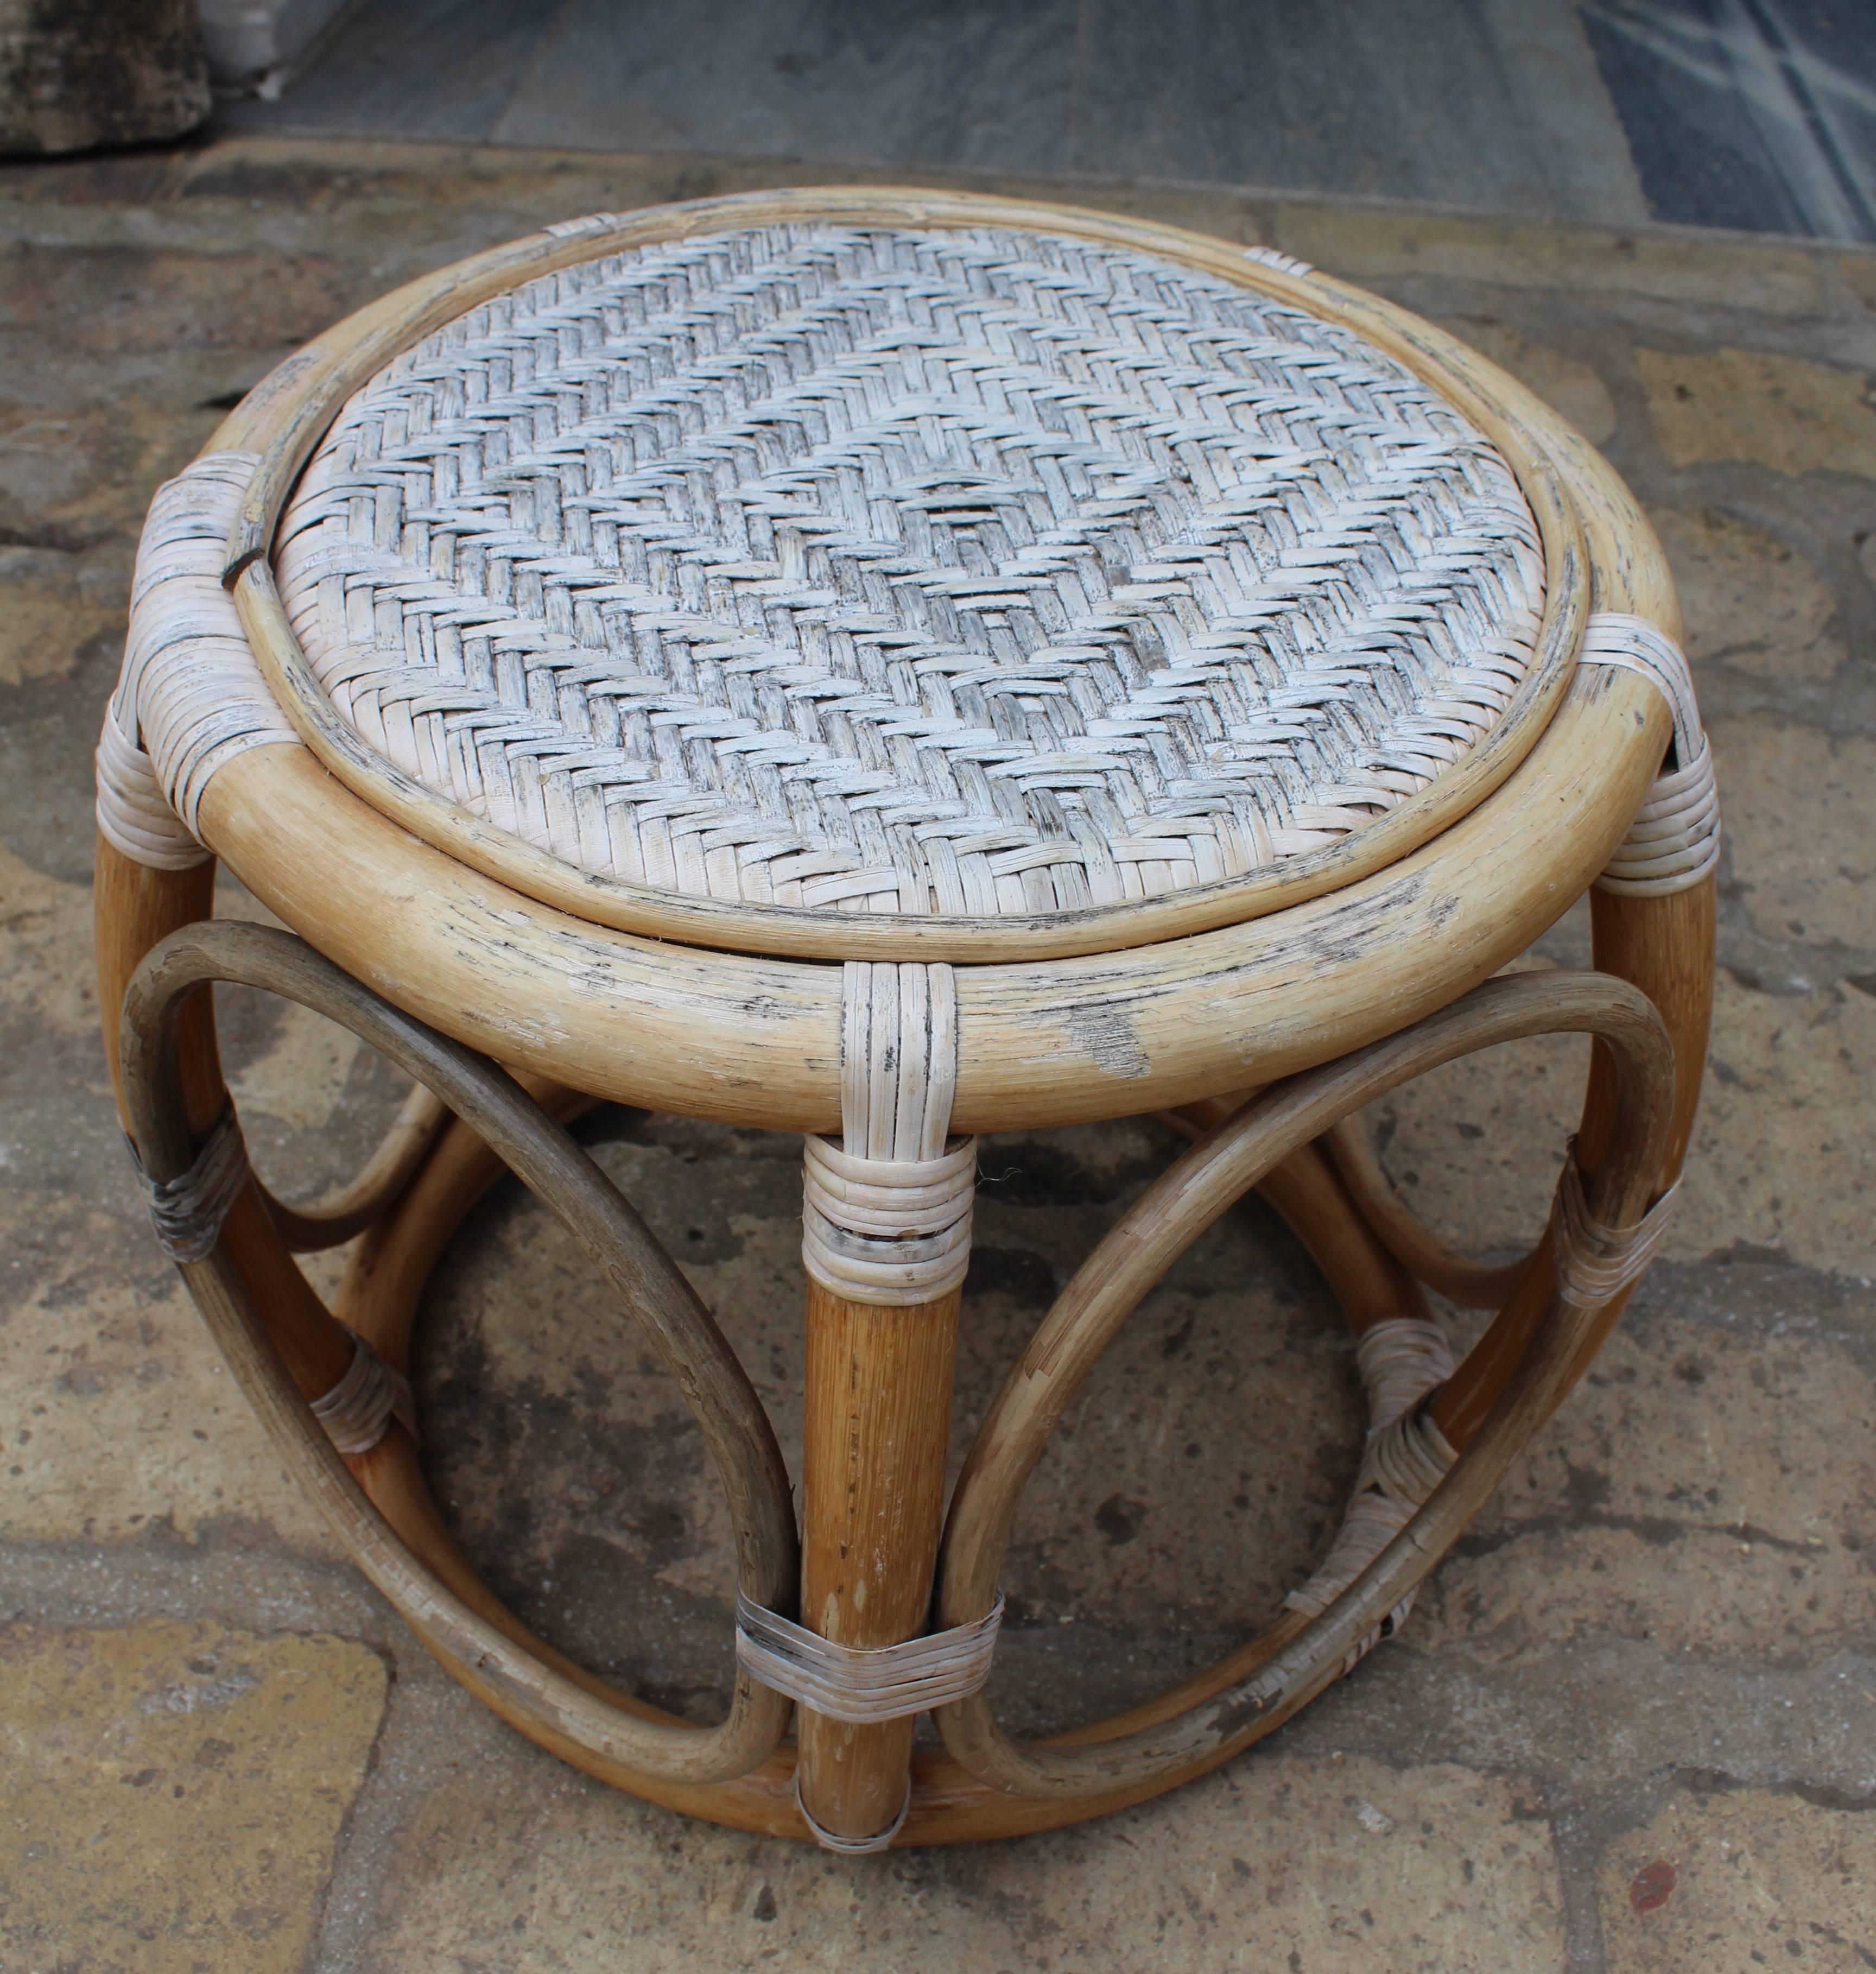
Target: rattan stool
889, 666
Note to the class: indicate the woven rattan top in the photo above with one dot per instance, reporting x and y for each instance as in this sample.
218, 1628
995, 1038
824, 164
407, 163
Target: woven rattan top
945, 571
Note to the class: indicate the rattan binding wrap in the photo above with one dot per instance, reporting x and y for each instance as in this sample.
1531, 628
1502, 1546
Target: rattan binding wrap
886, 1683
187, 1213
190, 696
1403, 1460
886, 1214
931, 572
1673, 842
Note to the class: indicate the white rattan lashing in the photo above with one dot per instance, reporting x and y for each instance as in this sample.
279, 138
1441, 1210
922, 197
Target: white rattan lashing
190, 696
1404, 1458
1673, 842
1595, 1264
927, 572
886, 1214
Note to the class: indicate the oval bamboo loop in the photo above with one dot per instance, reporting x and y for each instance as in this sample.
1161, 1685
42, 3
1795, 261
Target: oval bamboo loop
348, 1210
1460, 1279
1111, 1282
726, 1406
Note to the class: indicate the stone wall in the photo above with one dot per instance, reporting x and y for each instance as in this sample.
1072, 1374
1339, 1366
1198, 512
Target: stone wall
78, 74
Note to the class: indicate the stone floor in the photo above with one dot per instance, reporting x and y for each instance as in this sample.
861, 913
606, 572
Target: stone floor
1755, 114
1632, 1725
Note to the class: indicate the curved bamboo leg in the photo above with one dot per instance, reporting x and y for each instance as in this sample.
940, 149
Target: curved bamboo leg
386, 1271
1371, 1285
1664, 947
726, 1406
348, 1210
1403, 1235
1158, 1227
1308, 1192
135, 907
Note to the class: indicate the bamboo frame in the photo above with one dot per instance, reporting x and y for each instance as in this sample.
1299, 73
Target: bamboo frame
737, 1774
1298, 988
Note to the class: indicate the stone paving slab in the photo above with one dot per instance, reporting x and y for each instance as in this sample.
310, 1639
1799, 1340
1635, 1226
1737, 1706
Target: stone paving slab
1668, 1611
1748, 116
1724, 1881
173, 1793
1498, 105
1344, 1862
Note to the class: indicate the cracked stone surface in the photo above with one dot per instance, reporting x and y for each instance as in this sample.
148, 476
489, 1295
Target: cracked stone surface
1805, 870
1785, 412
1748, 600
1341, 1862
1631, 1725
174, 1792
1727, 1881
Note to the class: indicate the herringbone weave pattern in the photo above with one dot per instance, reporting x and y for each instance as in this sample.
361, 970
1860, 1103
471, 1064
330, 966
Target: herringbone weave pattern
925, 571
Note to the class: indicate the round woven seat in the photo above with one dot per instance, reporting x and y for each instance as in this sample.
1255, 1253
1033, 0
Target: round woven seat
943, 573
889, 666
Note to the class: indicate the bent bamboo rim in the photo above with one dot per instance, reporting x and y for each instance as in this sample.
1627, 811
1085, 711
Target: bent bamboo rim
287, 413
756, 1040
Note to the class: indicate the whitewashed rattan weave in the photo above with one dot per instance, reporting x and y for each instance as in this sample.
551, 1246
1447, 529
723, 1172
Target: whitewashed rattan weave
932, 572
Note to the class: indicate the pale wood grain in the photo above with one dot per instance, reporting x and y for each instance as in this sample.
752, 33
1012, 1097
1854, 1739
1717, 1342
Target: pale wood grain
877, 1424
